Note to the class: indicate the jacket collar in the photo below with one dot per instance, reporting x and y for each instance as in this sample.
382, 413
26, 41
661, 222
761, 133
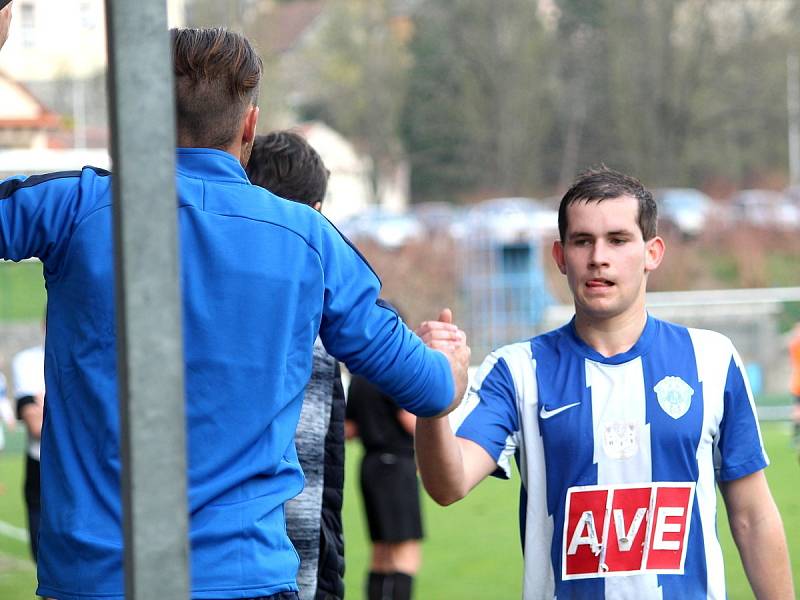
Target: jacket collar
208, 163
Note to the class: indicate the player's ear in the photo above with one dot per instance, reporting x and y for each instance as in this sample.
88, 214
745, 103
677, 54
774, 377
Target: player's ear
654, 253
558, 256
250, 122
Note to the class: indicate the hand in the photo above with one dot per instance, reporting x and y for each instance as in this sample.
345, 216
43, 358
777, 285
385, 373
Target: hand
444, 336
5, 21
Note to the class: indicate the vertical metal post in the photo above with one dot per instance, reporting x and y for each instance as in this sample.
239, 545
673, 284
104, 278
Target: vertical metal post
149, 339
793, 110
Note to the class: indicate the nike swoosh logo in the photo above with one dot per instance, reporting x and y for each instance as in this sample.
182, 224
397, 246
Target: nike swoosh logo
546, 414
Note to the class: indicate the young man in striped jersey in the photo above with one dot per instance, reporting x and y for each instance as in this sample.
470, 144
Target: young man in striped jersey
620, 425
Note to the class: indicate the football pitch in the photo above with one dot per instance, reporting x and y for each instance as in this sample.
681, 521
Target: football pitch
471, 549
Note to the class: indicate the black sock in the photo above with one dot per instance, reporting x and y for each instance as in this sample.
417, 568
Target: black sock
380, 586
402, 586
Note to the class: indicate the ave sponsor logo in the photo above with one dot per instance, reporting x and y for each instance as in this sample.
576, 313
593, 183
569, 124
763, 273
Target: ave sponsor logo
626, 529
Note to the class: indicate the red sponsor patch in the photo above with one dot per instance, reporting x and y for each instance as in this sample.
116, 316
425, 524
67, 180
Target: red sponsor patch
626, 529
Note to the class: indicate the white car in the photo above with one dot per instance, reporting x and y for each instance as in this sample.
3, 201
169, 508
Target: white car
766, 208
687, 209
391, 230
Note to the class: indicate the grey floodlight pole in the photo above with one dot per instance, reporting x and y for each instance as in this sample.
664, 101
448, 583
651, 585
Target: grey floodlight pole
149, 338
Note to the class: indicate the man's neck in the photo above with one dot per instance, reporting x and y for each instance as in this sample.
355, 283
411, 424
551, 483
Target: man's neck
611, 336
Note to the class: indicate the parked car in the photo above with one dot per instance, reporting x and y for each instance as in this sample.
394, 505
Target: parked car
509, 219
388, 229
765, 208
686, 209
436, 217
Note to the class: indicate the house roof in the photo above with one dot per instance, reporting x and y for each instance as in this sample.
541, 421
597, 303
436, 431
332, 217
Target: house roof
19, 108
288, 23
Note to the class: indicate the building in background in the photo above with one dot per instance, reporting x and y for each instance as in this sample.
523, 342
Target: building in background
57, 49
24, 121
348, 187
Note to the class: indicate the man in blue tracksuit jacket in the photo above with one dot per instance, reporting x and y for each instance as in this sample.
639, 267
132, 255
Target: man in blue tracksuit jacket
260, 278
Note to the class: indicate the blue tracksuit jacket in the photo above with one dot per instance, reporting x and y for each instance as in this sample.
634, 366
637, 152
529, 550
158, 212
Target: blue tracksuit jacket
260, 277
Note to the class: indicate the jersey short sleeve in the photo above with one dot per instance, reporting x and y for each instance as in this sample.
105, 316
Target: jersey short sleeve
488, 416
740, 449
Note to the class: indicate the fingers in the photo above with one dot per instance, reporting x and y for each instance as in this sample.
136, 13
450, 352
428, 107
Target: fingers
443, 335
444, 324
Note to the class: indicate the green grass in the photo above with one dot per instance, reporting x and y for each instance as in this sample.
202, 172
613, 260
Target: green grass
22, 293
471, 550
17, 574
782, 475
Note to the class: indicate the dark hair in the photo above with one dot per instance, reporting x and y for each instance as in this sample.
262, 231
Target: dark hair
596, 185
217, 73
286, 164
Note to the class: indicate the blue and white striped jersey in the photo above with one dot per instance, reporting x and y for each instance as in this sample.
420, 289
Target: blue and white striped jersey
618, 457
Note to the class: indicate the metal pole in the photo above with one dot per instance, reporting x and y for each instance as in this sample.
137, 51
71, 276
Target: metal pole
149, 339
793, 106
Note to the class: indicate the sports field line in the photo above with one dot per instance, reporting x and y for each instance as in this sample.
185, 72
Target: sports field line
15, 533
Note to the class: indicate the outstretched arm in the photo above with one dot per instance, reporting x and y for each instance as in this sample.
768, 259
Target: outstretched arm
449, 466
758, 532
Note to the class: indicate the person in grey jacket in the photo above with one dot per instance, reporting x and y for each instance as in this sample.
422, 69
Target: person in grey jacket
284, 163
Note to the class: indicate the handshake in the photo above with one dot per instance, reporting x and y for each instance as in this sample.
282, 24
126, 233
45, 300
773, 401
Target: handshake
446, 337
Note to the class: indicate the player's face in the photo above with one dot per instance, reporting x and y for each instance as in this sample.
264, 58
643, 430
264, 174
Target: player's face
5, 23
605, 258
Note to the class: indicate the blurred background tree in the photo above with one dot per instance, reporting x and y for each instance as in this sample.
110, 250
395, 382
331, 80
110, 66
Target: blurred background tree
514, 97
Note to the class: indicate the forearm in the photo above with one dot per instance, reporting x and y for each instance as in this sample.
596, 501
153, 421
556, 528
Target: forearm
440, 461
762, 547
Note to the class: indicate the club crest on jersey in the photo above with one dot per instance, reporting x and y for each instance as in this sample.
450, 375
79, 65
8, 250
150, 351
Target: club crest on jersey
620, 439
674, 396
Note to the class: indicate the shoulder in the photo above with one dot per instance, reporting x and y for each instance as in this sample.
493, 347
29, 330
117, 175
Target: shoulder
59, 179
514, 356
708, 340
506, 366
702, 340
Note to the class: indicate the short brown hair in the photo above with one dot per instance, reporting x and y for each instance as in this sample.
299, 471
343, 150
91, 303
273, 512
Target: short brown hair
595, 185
217, 74
286, 164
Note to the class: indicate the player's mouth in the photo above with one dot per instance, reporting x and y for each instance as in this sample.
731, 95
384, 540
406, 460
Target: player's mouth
598, 283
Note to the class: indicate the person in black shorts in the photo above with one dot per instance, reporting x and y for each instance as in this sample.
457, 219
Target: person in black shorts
389, 487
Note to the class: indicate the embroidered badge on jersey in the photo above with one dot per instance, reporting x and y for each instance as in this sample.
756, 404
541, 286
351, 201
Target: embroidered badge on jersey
620, 439
626, 529
674, 396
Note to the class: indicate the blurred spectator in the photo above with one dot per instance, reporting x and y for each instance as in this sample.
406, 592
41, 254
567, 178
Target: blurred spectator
794, 384
6, 412
285, 164
389, 487
28, 373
